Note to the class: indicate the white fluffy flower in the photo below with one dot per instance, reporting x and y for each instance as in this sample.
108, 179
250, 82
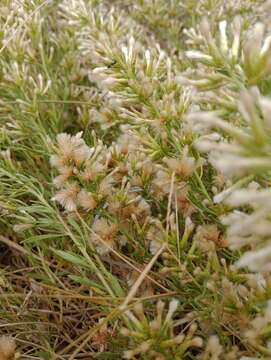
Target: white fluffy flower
67, 197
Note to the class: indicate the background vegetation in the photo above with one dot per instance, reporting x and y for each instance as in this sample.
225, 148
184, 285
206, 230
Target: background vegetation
135, 179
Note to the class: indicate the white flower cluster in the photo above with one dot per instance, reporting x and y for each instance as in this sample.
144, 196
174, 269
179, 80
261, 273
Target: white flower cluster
239, 150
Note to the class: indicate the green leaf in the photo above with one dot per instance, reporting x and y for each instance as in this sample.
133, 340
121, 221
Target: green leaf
73, 258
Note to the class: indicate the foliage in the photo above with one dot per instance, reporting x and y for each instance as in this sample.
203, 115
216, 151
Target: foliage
135, 179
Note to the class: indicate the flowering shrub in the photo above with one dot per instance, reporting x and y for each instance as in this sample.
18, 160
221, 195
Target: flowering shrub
135, 179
